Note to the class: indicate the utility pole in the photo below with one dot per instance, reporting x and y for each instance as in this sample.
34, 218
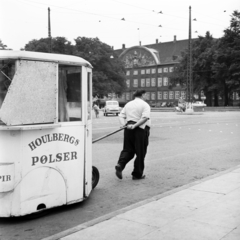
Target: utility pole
49, 31
189, 90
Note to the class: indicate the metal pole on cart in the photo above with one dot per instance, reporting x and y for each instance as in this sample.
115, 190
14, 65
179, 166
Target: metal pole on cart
109, 134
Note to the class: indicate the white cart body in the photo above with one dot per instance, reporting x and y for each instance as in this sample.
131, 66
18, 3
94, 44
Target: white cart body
45, 131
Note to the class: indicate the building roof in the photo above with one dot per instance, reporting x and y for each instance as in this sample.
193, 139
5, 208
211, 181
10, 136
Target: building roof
169, 52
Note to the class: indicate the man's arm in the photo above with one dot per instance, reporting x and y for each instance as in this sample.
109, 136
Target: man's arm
122, 121
137, 124
122, 118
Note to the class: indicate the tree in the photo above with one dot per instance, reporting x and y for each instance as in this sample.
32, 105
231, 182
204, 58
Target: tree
59, 45
203, 79
216, 64
108, 73
41, 45
202, 58
226, 67
2, 45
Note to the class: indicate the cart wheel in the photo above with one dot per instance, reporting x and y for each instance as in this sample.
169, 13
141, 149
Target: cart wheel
95, 177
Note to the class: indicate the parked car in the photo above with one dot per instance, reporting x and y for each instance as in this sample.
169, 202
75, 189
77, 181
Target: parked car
199, 104
170, 104
111, 107
164, 104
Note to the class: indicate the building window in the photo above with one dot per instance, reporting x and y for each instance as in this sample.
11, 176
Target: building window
147, 95
128, 73
147, 71
143, 71
177, 94
159, 82
237, 96
142, 82
135, 72
170, 94
171, 69
123, 96
153, 95
128, 83
165, 95
165, 81
127, 96
153, 82
135, 82
153, 70
159, 95
183, 94
159, 70
148, 82
165, 69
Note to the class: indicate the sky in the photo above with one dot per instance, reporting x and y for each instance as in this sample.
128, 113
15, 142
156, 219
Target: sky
114, 22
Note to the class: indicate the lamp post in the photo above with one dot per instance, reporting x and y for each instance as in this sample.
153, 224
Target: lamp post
189, 90
49, 31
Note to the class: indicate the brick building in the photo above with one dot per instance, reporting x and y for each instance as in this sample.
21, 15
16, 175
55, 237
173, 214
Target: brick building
150, 67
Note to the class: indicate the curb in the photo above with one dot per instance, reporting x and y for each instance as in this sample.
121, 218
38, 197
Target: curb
206, 109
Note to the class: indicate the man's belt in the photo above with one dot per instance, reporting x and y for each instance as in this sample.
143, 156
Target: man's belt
130, 122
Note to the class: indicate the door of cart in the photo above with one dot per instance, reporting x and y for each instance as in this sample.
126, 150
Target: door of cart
45, 131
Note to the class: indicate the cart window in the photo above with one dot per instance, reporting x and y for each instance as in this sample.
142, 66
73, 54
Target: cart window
89, 96
31, 98
7, 71
69, 94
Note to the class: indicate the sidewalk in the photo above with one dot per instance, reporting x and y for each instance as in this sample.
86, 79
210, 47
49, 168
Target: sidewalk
208, 209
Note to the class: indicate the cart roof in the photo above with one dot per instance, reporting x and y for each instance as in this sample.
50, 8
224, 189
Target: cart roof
49, 57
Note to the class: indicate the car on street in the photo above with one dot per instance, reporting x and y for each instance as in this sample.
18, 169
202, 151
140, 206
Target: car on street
111, 107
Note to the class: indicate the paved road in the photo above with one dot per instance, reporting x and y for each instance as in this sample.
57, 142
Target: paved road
183, 149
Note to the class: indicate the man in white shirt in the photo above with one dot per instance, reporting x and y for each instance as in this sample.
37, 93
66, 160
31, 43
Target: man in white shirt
136, 117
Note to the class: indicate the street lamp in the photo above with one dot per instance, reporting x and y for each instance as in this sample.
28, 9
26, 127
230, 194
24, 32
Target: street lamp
189, 91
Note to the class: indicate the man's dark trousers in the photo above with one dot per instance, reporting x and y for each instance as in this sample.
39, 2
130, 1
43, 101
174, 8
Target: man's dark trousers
135, 142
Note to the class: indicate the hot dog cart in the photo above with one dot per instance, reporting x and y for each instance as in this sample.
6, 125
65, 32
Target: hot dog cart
45, 131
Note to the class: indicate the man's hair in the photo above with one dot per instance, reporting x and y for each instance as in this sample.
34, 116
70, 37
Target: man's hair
139, 93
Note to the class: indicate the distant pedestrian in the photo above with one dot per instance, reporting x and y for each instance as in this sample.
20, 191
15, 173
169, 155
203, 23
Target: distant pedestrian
182, 104
136, 117
96, 110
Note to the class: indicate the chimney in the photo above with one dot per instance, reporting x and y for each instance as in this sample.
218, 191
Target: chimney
123, 46
140, 43
156, 41
175, 38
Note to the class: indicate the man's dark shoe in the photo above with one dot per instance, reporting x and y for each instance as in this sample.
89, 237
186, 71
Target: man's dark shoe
135, 178
118, 171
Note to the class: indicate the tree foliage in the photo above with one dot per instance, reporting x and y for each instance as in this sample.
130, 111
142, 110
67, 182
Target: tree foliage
2, 45
226, 66
202, 59
108, 73
58, 45
108, 70
216, 64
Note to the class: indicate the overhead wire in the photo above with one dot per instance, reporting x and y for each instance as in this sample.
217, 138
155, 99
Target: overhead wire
68, 10
97, 14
